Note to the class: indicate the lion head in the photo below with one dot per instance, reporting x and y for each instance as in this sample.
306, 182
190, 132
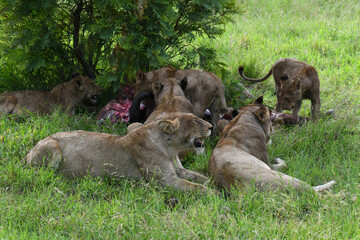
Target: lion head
290, 93
255, 113
144, 81
168, 87
87, 88
185, 131
83, 88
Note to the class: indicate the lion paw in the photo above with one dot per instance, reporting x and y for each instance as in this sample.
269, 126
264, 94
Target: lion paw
279, 164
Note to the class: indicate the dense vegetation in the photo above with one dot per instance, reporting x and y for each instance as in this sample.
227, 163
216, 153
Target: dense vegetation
43, 42
40, 204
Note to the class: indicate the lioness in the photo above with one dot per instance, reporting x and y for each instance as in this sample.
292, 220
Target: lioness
169, 97
67, 95
148, 151
241, 158
295, 81
204, 89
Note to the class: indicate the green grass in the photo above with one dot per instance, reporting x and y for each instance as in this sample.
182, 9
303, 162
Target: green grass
41, 204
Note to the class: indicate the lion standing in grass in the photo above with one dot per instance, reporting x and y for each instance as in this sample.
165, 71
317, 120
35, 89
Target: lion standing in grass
294, 81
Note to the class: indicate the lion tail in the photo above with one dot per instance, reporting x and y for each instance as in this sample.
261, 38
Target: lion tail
241, 72
136, 114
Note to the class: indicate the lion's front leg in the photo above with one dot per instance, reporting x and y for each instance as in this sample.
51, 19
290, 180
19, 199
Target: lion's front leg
186, 173
173, 181
166, 174
191, 175
315, 107
296, 109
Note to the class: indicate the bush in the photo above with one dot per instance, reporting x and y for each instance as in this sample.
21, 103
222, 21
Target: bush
48, 40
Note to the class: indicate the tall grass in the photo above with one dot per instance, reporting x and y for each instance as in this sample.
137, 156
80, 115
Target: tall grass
41, 204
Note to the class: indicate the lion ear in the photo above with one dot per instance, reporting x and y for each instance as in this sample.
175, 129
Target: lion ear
184, 83
169, 126
157, 87
259, 100
284, 77
78, 82
74, 74
262, 114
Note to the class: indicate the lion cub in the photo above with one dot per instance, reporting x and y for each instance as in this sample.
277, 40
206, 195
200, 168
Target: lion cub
148, 151
68, 95
241, 158
294, 81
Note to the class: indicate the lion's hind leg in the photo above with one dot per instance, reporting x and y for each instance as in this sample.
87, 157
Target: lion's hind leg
47, 152
7, 104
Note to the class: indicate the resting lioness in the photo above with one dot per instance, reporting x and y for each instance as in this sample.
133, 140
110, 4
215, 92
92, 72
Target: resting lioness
67, 95
204, 89
240, 157
148, 151
295, 81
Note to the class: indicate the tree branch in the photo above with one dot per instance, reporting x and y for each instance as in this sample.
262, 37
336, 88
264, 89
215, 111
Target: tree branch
88, 68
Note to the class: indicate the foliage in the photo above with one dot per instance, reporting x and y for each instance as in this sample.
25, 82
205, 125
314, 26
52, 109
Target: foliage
48, 40
41, 204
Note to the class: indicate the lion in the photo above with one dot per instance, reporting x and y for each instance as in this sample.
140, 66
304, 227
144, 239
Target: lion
240, 158
277, 118
150, 151
204, 89
169, 97
67, 95
294, 81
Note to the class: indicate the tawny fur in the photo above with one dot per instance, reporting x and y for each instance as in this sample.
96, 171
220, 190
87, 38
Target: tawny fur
241, 158
150, 151
294, 81
67, 96
169, 98
204, 90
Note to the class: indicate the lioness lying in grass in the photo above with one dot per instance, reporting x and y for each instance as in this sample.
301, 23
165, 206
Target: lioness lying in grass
148, 151
241, 158
67, 95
